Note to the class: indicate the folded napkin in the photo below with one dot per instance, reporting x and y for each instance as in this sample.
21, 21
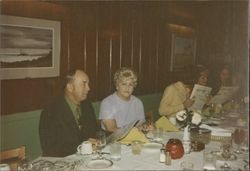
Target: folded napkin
217, 131
134, 134
165, 124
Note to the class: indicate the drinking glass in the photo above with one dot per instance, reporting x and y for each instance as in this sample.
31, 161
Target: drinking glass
136, 147
226, 148
101, 142
158, 134
209, 160
239, 136
187, 166
25, 164
115, 151
212, 109
145, 128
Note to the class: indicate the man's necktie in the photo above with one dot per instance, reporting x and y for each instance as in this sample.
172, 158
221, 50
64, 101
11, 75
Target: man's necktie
78, 115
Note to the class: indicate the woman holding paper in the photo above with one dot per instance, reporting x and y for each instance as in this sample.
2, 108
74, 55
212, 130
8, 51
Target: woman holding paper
224, 78
176, 96
121, 107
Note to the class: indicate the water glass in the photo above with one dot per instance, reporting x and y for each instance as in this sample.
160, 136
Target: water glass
209, 161
187, 166
158, 134
115, 151
101, 138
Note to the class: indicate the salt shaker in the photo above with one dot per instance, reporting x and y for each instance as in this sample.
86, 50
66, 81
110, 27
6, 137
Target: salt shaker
168, 158
162, 155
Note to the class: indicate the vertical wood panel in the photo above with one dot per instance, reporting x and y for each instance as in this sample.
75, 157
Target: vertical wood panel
100, 37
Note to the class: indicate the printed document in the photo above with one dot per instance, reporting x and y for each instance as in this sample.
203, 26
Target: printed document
224, 94
199, 95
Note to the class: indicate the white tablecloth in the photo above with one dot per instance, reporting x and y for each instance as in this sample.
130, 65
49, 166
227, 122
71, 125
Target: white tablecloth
149, 160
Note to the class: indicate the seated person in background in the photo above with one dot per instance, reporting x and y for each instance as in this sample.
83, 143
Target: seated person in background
223, 78
70, 120
176, 96
121, 107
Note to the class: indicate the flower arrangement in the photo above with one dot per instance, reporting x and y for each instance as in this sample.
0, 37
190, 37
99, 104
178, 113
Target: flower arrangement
188, 117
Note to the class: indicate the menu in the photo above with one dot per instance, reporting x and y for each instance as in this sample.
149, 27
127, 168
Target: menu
224, 94
199, 95
121, 132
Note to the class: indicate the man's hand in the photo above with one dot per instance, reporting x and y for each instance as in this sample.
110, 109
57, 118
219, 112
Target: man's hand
94, 143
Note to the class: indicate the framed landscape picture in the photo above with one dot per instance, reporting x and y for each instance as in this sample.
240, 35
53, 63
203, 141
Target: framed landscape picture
29, 48
183, 52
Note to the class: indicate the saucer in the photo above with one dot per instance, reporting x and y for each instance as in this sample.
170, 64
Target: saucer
78, 153
151, 137
99, 163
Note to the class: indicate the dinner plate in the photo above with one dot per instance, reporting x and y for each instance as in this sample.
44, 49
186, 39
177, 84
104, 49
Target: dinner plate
152, 147
99, 164
150, 136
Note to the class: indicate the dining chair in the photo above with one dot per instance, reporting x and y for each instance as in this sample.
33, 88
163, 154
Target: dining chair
13, 156
13, 153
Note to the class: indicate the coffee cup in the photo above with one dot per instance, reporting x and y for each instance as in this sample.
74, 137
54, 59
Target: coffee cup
85, 148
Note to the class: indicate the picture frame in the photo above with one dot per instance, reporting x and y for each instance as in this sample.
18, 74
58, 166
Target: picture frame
183, 51
29, 48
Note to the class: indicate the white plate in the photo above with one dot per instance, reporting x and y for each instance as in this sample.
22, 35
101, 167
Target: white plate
99, 164
151, 137
152, 147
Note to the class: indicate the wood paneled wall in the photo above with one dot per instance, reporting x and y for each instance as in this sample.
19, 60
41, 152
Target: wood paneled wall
101, 37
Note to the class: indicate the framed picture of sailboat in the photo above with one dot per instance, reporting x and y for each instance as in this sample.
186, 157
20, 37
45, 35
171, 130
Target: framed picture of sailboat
29, 48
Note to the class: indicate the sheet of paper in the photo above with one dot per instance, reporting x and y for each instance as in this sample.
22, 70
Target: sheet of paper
224, 94
199, 95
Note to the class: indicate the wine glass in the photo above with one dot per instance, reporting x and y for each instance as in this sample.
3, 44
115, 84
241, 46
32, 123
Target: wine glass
239, 136
144, 128
25, 164
101, 142
212, 109
226, 154
147, 126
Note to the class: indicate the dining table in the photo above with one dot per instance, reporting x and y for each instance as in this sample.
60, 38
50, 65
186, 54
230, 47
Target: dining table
149, 158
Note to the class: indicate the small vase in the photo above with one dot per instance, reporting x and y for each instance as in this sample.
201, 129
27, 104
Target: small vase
186, 135
186, 140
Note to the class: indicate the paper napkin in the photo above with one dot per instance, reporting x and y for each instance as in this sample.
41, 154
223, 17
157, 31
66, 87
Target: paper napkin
134, 134
165, 124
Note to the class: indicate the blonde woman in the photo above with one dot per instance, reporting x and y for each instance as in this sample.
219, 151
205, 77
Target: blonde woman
121, 107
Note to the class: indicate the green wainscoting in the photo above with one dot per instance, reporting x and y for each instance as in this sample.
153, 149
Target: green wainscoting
22, 128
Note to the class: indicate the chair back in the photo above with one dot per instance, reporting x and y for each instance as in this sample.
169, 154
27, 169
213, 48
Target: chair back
13, 153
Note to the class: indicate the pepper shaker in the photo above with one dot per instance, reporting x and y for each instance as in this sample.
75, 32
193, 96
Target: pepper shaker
168, 158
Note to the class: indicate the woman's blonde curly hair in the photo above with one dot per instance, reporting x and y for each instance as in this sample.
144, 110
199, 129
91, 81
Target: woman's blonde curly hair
125, 73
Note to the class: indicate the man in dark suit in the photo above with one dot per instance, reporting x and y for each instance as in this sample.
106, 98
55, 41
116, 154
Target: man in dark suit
70, 120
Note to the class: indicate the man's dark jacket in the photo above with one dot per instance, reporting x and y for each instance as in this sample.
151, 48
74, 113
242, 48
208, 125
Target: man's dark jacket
59, 132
